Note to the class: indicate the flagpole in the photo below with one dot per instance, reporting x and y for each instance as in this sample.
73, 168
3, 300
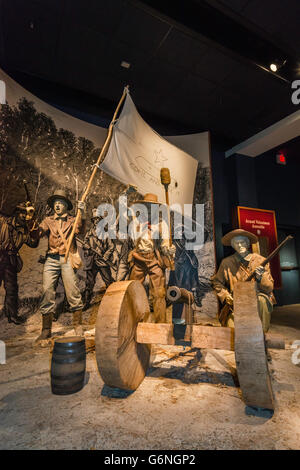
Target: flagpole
165, 179
96, 166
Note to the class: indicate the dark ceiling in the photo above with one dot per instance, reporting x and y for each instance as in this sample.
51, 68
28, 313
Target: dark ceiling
194, 65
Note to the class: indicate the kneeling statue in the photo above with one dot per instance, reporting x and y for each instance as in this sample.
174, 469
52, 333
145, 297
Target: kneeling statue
238, 267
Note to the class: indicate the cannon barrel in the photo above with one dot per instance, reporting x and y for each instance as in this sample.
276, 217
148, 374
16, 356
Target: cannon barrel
179, 295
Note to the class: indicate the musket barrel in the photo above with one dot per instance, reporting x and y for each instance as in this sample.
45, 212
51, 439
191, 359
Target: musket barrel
274, 253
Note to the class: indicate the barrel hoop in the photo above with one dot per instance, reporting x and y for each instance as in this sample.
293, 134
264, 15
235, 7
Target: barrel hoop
67, 385
68, 376
62, 390
69, 350
68, 360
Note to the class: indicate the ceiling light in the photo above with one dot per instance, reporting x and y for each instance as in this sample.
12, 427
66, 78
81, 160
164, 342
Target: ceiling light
276, 65
124, 64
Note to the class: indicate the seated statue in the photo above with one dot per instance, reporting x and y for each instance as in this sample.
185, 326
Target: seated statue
238, 267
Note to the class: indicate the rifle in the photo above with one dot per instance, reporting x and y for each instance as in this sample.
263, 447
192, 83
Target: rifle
30, 210
268, 259
111, 265
227, 309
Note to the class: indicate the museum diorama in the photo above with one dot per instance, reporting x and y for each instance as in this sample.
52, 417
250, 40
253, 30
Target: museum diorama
149, 226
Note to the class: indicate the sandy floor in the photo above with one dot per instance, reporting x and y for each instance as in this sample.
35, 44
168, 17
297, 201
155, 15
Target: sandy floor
188, 399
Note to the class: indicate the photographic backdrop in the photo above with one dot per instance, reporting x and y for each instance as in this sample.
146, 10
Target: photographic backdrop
49, 149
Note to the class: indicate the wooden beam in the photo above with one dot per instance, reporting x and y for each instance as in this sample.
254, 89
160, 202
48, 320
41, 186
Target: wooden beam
213, 337
151, 333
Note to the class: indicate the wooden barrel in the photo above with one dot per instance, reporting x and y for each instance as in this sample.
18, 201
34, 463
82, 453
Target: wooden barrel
68, 365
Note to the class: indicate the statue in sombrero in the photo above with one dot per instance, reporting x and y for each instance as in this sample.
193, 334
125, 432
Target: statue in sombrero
151, 255
237, 267
57, 228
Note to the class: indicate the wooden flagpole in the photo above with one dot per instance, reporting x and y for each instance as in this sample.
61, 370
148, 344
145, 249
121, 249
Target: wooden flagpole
165, 179
96, 166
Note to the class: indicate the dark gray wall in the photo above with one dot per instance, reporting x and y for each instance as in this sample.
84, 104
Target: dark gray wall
260, 182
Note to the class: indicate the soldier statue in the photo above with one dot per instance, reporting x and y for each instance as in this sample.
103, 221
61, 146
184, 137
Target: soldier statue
238, 267
98, 258
15, 231
151, 256
57, 228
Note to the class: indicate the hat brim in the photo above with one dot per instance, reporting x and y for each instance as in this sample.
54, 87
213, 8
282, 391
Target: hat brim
149, 202
226, 240
51, 199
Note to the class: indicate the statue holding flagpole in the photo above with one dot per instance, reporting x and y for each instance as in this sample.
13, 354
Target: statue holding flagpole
151, 256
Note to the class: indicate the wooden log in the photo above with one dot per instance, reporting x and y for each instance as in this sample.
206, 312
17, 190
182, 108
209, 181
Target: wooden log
122, 362
151, 333
250, 350
212, 337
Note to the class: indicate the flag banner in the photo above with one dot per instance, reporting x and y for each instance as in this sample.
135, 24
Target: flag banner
137, 153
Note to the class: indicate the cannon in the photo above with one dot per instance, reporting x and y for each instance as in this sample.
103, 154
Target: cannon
123, 339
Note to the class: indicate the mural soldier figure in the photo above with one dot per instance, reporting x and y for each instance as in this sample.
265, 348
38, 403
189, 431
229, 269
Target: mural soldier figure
16, 230
98, 259
237, 267
151, 256
58, 228
123, 248
186, 269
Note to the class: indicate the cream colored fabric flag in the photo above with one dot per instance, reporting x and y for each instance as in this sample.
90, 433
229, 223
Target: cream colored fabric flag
137, 153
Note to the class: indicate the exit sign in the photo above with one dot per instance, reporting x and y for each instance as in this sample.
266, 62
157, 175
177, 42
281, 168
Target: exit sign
280, 158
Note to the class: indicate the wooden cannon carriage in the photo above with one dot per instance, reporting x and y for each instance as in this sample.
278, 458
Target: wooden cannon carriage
123, 340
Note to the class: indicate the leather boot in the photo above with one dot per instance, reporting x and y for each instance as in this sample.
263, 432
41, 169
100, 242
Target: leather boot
77, 322
46, 327
87, 300
13, 318
16, 320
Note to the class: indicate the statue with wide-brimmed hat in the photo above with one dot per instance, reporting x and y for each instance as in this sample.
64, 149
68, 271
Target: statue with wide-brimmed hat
239, 232
60, 194
151, 253
58, 228
238, 267
149, 198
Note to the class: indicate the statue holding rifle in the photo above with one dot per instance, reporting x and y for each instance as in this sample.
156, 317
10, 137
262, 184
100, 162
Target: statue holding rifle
238, 267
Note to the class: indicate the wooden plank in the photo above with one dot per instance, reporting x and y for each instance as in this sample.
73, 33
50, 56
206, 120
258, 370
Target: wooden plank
250, 350
151, 333
212, 337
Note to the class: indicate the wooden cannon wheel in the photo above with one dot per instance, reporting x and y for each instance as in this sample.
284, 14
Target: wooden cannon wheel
250, 349
122, 362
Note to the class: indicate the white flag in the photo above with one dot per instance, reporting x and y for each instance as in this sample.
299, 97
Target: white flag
137, 153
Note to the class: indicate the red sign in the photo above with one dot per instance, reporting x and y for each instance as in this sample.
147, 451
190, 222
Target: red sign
263, 224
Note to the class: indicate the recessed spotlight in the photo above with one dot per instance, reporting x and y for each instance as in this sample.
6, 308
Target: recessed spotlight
125, 65
277, 64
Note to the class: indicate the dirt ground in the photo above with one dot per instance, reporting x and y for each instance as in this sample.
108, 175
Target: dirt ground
188, 400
